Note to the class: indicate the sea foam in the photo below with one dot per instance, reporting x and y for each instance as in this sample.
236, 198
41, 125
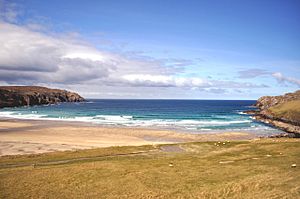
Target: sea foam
198, 116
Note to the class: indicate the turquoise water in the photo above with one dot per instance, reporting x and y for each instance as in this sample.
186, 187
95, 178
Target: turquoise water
195, 116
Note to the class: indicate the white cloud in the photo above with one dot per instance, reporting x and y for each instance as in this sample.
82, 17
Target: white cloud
59, 59
30, 55
164, 81
142, 80
252, 73
283, 79
25, 53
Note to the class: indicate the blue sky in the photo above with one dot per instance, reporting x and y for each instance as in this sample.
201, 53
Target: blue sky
155, 49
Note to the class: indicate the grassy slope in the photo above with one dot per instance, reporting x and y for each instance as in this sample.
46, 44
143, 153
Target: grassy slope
289, 110
196, 173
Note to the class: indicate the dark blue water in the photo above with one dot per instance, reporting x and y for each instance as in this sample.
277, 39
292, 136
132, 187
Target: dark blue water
188, 115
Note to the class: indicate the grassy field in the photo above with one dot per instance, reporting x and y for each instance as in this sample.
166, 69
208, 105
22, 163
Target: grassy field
240, 169
289, 110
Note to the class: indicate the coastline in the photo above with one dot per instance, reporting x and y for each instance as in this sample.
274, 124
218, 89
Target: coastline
290, 130
281, 112
18, 137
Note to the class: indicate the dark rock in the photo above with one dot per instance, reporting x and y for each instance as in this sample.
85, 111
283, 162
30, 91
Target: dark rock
285, 135
14, 96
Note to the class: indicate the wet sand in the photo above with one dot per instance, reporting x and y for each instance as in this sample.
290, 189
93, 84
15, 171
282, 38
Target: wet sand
30, 136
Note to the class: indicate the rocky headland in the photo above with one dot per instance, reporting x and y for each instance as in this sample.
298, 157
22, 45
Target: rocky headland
14, 96
282, 112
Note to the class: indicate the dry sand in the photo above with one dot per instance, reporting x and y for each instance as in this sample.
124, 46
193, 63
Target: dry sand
29, 137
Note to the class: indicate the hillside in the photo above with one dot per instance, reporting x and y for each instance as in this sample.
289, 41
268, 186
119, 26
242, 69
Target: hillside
266, 102
14, 96
280, 111
288, 111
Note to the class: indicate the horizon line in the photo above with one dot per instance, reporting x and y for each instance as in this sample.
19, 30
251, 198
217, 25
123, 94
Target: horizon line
168, 99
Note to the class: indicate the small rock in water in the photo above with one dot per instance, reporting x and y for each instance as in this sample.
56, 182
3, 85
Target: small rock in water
171, 164
293, 165
219, 142
268, 155
224, 143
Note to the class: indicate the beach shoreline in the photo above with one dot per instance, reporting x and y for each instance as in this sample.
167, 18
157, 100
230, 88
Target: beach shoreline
18, 137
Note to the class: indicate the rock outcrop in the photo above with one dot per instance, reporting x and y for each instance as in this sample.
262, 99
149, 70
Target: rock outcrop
282, 112
14, 96
266, 102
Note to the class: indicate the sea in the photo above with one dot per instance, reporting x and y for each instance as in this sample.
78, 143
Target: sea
191, 116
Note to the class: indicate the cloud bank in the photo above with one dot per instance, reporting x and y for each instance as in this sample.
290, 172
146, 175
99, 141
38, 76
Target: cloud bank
28, 57
30, 54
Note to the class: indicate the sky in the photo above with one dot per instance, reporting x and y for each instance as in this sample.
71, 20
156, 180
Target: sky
138, 49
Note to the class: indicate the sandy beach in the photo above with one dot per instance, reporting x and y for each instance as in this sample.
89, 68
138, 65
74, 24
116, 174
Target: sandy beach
30, 137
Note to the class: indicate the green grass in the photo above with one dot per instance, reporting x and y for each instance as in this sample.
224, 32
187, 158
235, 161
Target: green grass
60, 156
260, 169
288, 110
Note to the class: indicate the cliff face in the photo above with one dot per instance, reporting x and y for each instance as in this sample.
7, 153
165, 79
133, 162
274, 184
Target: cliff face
13, 96
280, 111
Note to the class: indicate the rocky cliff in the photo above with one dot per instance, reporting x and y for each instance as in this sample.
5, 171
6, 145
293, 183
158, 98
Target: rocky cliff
280, 111
266, 102
13, 96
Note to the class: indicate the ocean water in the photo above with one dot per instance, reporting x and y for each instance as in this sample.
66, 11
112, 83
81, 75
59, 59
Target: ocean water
194, 116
